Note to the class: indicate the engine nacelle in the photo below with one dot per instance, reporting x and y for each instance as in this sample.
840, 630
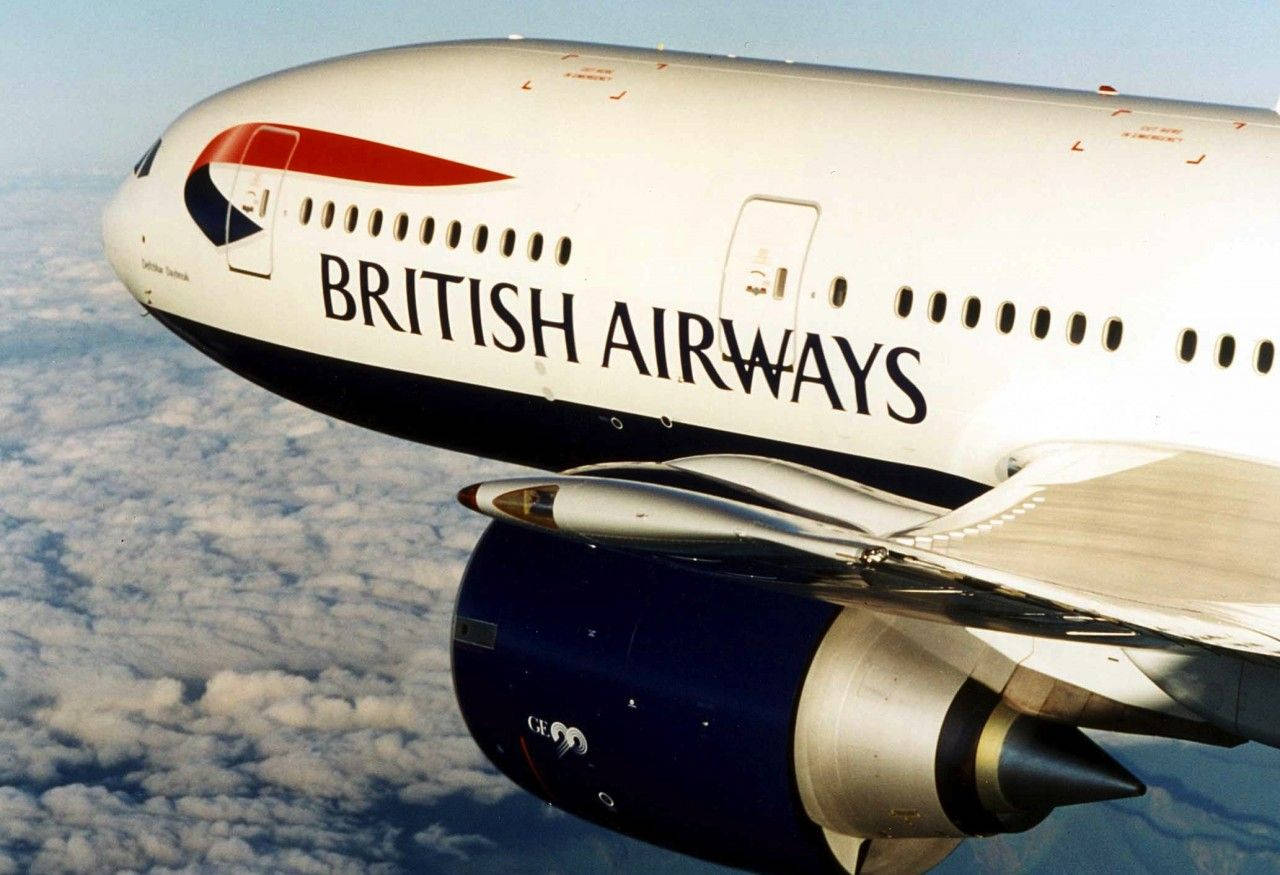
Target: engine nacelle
737, 724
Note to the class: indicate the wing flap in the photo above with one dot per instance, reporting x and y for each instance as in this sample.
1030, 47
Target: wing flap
1187, 535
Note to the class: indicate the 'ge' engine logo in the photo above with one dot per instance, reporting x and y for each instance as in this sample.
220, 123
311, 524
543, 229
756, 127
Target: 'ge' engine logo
567, 738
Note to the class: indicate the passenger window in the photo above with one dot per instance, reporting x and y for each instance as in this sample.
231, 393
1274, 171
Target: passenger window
1112, 333
304, 213
563, 248
1040, 323
535, 247
353, 216
427, 230
326, 215
401, 226
1264, 357
1187, 345
1226, 350
508, 243
375, 223
972, 312
1076, 328
1005, 317
839, 291
937, 307
480, 239
454, 235
905, 297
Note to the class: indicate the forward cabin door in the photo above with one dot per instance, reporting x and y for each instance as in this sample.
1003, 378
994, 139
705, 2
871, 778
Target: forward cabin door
255, 200
760, 289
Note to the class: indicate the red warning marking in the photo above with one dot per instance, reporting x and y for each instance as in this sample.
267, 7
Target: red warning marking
527, 86
1076, 147
1238, 125
1120, 112
662, 66
617, 96
1155, 133
567, 57
1198, 160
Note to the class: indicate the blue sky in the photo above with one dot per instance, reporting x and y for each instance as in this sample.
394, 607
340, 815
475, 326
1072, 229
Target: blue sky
89, 86
223, 619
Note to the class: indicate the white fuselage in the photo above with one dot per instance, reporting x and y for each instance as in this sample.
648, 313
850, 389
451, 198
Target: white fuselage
1162, 215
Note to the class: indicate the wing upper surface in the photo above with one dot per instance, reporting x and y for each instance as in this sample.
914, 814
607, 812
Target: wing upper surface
1187, 535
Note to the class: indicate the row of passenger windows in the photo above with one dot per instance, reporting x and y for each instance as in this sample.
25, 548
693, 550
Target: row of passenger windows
1006, 317
1264, 354
534, 247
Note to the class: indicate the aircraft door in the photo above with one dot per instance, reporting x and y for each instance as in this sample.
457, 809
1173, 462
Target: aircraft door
760, 288
255, 196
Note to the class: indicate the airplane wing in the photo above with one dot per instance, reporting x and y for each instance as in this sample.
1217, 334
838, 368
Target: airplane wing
1128, 544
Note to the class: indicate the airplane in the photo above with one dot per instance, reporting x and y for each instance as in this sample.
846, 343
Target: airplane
895, 427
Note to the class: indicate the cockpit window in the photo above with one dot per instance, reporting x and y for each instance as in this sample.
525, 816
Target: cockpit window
143, 167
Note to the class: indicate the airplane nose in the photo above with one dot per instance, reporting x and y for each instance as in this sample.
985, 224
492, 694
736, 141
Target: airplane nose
118, 236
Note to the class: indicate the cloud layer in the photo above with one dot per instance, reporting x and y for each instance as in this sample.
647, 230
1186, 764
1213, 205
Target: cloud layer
223, 618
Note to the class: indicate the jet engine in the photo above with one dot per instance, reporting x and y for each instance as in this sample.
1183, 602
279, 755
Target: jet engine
745, 726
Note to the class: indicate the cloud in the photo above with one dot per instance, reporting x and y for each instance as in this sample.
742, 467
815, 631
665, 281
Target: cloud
440, 840
223, 618
81, 828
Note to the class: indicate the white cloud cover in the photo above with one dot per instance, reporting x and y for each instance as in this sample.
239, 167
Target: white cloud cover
223, 618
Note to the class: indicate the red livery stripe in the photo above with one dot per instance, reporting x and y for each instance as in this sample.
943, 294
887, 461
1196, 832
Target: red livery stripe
337, 155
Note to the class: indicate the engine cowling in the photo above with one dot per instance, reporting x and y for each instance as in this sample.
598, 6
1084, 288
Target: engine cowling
741, 725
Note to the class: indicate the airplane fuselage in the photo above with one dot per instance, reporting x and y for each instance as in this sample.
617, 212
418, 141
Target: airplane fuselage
721, 252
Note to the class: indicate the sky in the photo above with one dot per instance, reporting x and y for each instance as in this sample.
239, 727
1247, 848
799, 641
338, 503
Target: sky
224, 619
88, 86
